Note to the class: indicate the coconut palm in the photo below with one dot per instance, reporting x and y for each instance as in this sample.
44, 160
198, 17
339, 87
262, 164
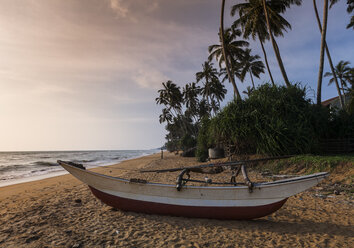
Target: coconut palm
253, 24
218, 92
350, 9
227, 52
234, 51
344, 74
252, 65
166, 116
209, 74
248, 91
323, 42
213, 90
172, 97
190, 95
272, 10
236, 70
328, 54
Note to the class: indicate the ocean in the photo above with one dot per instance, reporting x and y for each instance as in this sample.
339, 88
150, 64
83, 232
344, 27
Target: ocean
17, 167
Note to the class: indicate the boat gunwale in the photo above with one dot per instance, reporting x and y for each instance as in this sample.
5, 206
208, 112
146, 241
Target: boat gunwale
268, 184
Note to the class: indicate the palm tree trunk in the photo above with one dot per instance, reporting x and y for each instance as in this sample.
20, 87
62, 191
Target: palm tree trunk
329, 57
275, 46
342, 84
266, 61
231, 77
323, 42
252, 80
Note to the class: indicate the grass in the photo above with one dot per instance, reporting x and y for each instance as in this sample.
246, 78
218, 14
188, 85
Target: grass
315, 163
309, 163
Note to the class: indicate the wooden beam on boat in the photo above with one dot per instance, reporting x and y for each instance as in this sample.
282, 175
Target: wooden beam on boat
230, 164
245, 177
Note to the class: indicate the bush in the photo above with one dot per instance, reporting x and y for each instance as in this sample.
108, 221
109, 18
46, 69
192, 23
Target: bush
203, 140
273, 120
187, 142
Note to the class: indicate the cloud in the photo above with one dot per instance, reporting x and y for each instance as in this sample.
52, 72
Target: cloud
150, 78
117, 6
133, 9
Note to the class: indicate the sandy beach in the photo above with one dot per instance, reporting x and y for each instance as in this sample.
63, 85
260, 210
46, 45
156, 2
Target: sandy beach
62, 212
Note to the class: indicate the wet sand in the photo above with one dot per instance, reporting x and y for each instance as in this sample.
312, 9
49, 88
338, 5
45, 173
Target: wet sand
62, 212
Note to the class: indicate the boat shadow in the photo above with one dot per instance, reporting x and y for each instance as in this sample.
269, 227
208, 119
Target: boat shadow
265, 224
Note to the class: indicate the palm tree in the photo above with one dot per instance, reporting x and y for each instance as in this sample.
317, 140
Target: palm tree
350, 9
329, 55
343, 72
252, 65
227, 52
218, 92
271, 12
209, 74
253, 23
213, 90
234, 51
248, 91
166, 116
190, 95
323, 42
236, 70
170, 96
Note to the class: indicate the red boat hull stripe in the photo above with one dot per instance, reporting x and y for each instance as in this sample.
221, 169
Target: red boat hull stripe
236, 213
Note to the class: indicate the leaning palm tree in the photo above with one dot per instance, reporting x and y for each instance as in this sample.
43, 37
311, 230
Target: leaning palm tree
328, 53
252, 65
323, 42
344, 74
272, 10
227, 53
234, 51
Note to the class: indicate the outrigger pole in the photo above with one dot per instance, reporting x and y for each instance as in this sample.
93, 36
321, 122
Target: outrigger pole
227, 164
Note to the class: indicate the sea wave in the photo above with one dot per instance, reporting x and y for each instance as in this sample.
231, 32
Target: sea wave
17, 165
45, 163
12, 168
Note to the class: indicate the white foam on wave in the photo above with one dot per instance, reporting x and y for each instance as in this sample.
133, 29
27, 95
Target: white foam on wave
29, 176
9, 182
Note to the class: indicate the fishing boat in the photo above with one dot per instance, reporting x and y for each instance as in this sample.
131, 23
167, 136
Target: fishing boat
237, 201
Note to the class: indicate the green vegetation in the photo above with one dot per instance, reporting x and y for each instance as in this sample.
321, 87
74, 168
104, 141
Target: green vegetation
308, 163
274, 121
271, 119
185, 108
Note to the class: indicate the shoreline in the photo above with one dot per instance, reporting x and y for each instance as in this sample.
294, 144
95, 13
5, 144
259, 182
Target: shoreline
4, 183
62, 212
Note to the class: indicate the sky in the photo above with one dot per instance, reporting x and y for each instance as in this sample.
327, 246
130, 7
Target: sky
84, 74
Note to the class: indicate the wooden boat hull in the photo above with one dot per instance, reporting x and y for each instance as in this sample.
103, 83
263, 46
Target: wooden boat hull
235, 213
231, 202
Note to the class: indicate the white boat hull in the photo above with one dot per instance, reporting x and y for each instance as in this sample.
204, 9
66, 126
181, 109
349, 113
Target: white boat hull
231, 202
